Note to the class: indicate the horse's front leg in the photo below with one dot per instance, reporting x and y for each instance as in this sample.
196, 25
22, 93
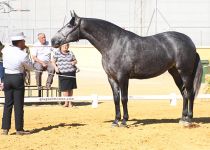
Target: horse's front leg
116, 95
124, 99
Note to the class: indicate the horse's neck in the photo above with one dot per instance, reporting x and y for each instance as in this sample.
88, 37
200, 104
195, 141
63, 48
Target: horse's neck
100, 35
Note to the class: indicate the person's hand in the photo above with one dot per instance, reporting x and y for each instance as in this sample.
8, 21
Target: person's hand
73, 63
44, 64
1, 86
56, 70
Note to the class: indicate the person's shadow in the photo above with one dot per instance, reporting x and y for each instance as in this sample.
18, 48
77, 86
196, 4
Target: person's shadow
50, 127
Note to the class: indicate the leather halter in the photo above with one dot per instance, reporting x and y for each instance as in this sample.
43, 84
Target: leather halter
75, 27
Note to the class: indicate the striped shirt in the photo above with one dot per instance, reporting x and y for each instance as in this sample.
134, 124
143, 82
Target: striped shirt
63, 61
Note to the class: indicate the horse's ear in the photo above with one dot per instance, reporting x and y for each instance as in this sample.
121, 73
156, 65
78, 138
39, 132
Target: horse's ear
72, 15
75, 15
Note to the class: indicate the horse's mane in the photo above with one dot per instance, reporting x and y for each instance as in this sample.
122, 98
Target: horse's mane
108, 26
103, 22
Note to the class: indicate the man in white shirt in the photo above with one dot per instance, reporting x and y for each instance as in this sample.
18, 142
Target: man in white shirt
1, 64
41, 54
15, 61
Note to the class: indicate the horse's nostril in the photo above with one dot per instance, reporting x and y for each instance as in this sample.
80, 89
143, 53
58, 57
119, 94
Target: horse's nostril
55, 42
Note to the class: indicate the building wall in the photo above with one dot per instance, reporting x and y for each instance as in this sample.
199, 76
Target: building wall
144, 17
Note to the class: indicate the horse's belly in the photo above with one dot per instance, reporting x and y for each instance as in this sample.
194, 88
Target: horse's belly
150, 71
145, 75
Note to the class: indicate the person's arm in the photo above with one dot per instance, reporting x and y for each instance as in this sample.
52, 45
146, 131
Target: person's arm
27, 63
74, 60
53, 52
39, 61
54, 65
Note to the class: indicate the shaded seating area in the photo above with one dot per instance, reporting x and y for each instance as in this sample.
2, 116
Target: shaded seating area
33, 91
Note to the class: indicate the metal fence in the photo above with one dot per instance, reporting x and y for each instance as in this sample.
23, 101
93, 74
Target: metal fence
143, 17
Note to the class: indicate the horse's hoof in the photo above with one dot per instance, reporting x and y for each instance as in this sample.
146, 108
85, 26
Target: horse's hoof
123, 124
184, 122
115, 123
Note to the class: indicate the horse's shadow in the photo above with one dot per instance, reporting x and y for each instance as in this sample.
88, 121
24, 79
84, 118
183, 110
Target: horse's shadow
204, 120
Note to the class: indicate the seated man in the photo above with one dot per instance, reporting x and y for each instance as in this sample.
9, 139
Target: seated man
41, 54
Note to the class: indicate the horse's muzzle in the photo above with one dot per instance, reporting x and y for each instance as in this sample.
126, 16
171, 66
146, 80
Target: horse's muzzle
56, 42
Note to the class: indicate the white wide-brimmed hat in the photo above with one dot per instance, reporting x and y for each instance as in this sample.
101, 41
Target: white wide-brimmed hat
17, 36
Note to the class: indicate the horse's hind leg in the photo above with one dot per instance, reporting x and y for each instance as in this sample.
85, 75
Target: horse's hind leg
178, 80
188, 83
116, 95
188, 78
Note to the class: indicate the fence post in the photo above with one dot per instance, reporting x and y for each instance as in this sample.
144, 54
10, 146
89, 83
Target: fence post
94, 101
173, 99
40, 92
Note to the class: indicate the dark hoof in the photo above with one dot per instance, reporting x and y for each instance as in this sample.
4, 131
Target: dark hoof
185, 122
123, 124
115, 124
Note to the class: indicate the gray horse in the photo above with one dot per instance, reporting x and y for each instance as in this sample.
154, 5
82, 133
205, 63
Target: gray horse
126, 55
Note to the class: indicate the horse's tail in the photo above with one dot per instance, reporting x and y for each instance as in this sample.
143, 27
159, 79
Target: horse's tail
198, 71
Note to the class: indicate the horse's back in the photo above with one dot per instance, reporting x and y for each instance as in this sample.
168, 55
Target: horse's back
178, 40
154, 55
150, 56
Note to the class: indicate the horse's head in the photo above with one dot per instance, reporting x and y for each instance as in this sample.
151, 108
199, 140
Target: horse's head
68, 33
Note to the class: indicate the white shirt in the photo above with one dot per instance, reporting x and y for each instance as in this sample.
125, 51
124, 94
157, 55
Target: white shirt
15, 60
42, 52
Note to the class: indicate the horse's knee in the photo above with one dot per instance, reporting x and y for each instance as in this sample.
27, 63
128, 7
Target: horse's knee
116, 99
124, 99
188, 93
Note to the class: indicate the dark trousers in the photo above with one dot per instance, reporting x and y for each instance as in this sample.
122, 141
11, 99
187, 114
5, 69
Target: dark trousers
1, 71
14, 95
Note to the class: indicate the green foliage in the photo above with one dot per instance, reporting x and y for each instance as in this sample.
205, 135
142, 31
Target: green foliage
207, 81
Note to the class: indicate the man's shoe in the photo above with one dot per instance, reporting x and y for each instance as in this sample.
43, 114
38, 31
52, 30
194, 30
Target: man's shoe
4, 132
22, 132
48, 87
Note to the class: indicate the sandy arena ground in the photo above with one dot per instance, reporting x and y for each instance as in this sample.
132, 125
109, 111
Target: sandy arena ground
153, 125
